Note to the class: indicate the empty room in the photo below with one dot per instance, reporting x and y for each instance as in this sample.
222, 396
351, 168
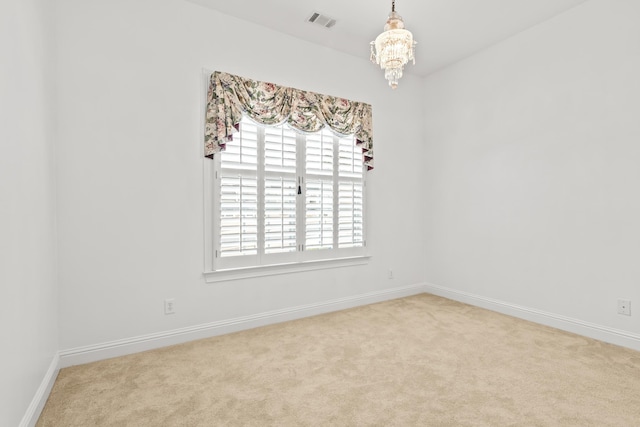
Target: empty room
267, 212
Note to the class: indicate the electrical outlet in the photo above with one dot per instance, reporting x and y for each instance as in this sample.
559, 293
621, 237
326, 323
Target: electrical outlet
169, 306
624, 307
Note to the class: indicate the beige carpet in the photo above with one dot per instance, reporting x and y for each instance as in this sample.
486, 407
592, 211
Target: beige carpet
417, 361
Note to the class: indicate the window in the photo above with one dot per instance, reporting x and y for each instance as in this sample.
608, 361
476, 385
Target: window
280, 196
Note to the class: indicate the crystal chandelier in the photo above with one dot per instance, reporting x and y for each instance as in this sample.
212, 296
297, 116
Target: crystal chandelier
393, 48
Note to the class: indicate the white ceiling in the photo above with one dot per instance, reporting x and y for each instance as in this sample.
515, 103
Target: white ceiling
446, 30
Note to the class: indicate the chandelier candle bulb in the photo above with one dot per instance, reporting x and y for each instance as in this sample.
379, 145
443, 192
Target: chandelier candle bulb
393, 48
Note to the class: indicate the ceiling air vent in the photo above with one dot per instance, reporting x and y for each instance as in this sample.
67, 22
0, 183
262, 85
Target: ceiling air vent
322, 20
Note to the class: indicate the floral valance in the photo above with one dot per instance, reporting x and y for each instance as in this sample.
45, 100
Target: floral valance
229, 97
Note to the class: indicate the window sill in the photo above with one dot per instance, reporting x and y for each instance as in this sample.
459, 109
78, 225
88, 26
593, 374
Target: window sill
272, 270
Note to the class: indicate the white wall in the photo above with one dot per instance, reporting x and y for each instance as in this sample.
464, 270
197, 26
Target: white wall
130, 166
533, 168
28, 317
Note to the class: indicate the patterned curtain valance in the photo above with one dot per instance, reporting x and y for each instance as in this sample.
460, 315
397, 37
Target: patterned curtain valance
230, 96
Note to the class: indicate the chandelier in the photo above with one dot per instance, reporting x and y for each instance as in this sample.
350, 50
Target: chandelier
393, 48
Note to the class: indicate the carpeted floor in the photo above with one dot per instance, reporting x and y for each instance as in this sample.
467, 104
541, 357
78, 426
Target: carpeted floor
416, 361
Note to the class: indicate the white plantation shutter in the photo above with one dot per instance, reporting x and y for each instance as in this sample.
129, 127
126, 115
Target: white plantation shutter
319, 190
350, 215
280, 215
242, 152
350, 195
284, 197
239, 195
349, 158
319, 214
280, 190
280, 150
319, 155
238, 216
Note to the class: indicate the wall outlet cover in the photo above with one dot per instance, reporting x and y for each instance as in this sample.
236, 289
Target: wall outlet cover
624, 307
169, 306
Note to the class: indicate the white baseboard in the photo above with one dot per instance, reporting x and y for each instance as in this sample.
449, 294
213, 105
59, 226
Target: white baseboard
591, 330
80, 355
42, 394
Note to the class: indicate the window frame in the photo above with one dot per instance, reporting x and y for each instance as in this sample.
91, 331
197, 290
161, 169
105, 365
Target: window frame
301, 259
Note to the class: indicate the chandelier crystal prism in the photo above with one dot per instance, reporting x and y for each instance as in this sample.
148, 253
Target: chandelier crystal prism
393, 48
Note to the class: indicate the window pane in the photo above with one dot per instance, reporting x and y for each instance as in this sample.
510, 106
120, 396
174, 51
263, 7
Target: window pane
319, 215
280, 215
